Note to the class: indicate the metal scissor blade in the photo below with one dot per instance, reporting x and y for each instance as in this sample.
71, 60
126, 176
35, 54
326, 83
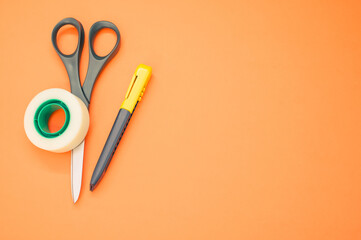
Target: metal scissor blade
77, 155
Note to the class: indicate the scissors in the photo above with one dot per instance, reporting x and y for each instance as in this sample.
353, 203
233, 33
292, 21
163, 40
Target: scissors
95, 66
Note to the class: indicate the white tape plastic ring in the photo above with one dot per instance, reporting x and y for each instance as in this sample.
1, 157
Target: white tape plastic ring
37, 115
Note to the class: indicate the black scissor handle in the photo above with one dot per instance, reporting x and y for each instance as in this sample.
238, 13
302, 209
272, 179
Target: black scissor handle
71, 61
96, 62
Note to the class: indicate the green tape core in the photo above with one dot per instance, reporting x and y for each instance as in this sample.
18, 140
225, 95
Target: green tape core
43, 114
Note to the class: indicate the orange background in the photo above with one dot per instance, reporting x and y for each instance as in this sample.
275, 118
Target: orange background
250, 126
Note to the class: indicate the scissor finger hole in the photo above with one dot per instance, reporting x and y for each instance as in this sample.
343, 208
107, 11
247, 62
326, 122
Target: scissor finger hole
67, 39
104, 41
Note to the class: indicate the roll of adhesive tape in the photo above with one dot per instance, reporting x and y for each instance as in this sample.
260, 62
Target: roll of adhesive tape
37, 115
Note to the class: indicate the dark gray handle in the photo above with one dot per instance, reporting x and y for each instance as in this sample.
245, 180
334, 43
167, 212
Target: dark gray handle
71, 61
96, 62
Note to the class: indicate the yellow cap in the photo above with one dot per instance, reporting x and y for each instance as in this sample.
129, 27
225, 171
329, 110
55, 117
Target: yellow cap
137, 87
